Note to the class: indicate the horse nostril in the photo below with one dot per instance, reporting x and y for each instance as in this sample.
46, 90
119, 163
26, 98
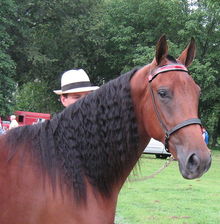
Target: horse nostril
193, 163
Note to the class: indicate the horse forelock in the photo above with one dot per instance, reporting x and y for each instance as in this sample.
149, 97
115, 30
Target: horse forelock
171, 58
95, 140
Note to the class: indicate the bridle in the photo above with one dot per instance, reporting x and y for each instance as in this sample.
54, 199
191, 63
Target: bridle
151, 77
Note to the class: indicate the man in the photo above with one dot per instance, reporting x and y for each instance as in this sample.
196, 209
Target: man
75, 84
13, 123
205, 135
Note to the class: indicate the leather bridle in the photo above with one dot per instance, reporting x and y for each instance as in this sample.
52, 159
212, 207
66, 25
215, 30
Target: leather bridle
151, 77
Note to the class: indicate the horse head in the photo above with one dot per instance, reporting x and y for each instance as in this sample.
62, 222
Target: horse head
170, 99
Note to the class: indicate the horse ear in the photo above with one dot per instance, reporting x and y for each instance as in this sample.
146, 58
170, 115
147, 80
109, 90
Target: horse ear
188, 54
161, 49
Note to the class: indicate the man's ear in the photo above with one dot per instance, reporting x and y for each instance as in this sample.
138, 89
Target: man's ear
63, 100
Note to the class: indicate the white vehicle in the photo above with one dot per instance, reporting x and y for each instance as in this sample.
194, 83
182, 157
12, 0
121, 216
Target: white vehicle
157, 148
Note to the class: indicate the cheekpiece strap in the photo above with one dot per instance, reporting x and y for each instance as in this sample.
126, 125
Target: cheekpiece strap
167, 68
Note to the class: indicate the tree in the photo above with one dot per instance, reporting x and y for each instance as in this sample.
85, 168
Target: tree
36, 97
132, 29
7, 65
52, 37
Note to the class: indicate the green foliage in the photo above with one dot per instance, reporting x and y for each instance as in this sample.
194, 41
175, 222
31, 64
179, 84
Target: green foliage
57, 37
132, 26
7, 65
36, 97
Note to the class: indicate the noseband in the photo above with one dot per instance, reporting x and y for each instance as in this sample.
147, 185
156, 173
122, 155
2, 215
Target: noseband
151, 77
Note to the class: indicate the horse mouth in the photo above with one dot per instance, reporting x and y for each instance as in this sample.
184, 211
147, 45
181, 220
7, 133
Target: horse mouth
194, 166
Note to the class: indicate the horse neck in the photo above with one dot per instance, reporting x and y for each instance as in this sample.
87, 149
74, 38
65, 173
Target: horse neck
100, 135
139, 83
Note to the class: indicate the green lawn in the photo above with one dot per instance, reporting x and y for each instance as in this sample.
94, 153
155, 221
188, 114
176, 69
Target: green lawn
168, 197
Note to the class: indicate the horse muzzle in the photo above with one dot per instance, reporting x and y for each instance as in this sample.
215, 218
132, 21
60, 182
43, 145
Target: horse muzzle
194, 166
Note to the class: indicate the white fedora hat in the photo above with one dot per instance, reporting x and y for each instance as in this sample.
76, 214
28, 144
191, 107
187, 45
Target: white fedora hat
75, 81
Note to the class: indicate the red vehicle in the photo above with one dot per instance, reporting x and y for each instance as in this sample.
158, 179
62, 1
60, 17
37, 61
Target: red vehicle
27, 118
5, 125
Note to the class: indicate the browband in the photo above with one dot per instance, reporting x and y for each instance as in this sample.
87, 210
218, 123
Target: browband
167, 68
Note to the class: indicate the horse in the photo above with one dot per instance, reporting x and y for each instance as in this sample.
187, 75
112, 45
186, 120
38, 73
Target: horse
70, 169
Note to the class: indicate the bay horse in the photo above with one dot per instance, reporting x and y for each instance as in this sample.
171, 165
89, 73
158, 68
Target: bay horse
70, 169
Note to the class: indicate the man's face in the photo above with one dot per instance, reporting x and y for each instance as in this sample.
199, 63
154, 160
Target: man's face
70, 98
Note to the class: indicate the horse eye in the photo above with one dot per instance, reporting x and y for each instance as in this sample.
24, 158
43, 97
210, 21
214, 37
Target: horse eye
162, 93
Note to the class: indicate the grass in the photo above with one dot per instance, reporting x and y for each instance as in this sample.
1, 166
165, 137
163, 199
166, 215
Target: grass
168, 198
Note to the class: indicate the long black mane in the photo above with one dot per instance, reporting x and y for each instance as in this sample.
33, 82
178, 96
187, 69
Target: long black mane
94, 139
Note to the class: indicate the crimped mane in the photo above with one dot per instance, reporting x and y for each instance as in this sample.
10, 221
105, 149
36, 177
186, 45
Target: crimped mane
95, 139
